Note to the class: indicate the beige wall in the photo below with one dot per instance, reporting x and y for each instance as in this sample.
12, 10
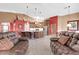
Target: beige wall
9, 17
62, 20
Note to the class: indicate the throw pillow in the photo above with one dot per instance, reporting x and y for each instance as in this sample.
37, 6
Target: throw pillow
63, 39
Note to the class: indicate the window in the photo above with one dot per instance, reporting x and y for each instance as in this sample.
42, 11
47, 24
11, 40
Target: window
73, 25
26, 26
5, 27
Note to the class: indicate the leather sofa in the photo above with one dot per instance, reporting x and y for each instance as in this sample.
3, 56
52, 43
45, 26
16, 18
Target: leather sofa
20, 44
66, 44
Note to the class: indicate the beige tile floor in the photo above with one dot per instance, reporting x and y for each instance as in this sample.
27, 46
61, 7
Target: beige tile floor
39, 46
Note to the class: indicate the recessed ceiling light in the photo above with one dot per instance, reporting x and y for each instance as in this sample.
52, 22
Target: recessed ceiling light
27, 6
35, 8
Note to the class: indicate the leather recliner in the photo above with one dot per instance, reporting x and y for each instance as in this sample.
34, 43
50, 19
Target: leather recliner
71, 47
20, 44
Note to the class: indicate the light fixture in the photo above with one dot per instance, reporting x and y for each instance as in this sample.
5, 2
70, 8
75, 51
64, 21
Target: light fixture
68, 7
36, 22
68, 25
68, 10
35, 9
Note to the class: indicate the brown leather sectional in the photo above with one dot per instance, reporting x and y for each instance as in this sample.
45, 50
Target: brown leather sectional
66, 44
19, 47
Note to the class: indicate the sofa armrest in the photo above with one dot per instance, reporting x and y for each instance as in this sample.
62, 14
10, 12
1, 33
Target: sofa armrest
20, 48
54, 39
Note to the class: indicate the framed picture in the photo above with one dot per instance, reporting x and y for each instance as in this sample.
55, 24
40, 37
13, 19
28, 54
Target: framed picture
73, 25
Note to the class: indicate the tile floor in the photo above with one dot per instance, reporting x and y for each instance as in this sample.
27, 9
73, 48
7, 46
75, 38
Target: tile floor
39, 46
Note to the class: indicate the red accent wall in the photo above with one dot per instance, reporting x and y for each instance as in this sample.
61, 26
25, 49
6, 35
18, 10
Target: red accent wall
11, 26
19, 25
53, 20
16, 25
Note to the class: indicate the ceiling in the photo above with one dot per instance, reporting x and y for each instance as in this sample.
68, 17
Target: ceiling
40, 10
